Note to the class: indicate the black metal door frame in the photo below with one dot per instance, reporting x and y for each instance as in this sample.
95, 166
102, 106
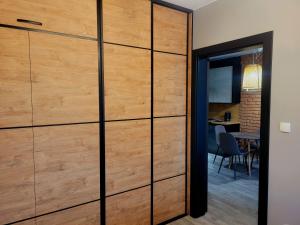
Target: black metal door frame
199, 125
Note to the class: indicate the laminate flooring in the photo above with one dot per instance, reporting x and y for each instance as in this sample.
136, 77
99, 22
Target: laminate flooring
230, 202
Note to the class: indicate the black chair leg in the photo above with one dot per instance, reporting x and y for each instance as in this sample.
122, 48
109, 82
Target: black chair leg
252, 159
246, 162
234, 168
216, 154
221, 165
239, 160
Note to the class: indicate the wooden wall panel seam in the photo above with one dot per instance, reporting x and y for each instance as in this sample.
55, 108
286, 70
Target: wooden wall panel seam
33, 153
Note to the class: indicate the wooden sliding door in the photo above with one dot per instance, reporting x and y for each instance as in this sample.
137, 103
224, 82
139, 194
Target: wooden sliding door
127, 79
170, 112
145, 78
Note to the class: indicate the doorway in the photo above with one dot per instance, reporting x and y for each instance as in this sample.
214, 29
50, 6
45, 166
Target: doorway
199, 132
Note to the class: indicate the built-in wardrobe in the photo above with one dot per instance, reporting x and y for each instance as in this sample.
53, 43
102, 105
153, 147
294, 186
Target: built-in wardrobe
94, 112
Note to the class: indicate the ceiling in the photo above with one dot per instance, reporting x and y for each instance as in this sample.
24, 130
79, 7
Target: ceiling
191, 4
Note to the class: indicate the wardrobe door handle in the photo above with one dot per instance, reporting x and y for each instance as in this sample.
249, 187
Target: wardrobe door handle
30, 22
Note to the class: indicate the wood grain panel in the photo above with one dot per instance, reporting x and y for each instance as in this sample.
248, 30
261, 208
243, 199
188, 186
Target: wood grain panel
169, 147
65, 79
127, 22
169, 84
88, 214
67, 166
127, 73
169, 199
170, 30
15, 88
127, 155
16, 175
66, 16
130, 208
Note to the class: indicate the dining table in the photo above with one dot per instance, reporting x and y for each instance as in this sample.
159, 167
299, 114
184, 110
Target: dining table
248, 137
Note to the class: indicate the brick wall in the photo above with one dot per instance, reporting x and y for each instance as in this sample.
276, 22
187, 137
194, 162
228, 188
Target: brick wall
250, 111
250, 105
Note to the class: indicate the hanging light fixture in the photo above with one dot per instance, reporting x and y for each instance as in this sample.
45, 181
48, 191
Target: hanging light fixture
252, 76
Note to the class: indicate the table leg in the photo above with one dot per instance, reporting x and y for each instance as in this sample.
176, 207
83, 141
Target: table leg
249, 158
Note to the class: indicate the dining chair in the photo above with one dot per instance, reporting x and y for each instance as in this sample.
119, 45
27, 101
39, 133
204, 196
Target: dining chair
230, 148
255, 147
218, 130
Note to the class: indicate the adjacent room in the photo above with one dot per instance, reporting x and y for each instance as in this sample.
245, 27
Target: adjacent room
234, 90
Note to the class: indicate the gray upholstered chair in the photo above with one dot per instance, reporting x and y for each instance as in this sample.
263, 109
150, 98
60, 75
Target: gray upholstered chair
230, 148
218, 130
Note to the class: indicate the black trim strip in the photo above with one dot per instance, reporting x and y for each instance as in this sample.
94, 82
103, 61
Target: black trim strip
123, 120
172, 6
152, 119
47, 32
56, 211
123, 45
101, 113
173, 219
161, 117
186, 104
167, 178
171, 53
133, 189
48, 125
131, 46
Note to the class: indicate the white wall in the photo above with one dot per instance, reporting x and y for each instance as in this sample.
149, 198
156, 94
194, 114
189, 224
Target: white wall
227, 20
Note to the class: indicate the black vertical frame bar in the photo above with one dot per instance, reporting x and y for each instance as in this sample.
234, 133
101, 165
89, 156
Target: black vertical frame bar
152, 118
186, 104
198, 151
265, 130
101, 113
199, 133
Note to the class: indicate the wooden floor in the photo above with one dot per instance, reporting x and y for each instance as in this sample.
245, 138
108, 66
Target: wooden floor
230, 202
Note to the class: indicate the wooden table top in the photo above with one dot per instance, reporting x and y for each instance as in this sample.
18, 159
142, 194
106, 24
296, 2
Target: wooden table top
246, 135
223, 122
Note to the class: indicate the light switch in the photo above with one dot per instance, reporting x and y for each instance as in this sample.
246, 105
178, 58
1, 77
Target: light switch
285, 127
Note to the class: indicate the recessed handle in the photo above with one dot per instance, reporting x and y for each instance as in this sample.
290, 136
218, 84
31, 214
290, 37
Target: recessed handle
30, 22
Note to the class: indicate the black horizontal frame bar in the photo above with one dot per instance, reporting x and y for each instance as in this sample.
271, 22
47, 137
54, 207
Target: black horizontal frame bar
171, 53
30, 22
161, 117
172, 6
123, 120
48, 125
123, 45
173, 219
167, 178
56, 211
132, 189
131, 46
47, 32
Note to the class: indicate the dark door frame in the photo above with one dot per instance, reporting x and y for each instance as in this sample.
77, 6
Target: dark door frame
199, 124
